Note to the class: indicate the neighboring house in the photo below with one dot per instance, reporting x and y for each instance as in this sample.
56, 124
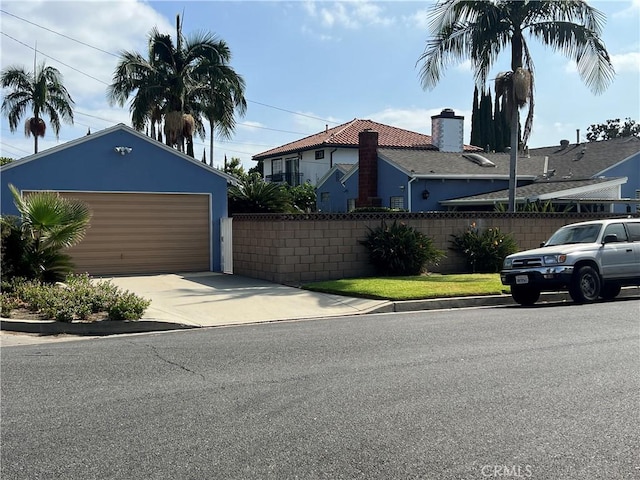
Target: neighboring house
592, 176
598, 176
309, 159
154, 208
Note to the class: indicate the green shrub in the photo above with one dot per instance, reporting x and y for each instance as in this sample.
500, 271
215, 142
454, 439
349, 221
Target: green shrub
400, 250
128, 306
8, 302
14, 261
76, 299
484, 250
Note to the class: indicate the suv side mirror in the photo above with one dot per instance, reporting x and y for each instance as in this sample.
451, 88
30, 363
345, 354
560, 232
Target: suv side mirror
542, 244
610, 238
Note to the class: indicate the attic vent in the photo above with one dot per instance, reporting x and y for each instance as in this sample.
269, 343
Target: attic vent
479, 160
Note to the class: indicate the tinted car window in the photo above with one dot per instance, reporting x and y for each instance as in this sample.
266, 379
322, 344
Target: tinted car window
634, 231
577, 234
616, 229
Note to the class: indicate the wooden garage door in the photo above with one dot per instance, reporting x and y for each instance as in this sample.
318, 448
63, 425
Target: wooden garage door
144, 233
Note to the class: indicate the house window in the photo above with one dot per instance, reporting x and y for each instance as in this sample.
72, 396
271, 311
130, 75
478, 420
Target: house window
277, 175
351, 204
292, 171
324, 197
319, 154
637, 198
397, 203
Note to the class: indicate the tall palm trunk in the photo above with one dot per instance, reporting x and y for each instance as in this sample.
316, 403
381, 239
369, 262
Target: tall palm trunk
513, 163
212, 124
516, 62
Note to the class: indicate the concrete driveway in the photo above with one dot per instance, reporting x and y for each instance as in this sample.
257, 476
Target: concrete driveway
215, 299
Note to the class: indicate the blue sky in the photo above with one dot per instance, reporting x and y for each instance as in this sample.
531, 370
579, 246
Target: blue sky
306, 65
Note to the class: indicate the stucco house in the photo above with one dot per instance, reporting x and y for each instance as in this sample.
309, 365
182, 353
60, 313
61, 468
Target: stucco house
596, 176
154, 209
310, 158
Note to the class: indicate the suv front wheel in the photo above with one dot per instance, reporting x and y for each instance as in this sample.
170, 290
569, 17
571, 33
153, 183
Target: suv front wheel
585, 285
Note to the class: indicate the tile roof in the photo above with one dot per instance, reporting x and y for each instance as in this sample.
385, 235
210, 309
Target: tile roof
436, 163
346, 135
587, 159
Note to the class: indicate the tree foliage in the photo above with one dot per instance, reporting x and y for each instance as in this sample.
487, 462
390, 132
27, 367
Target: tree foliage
253, 195
489, 123
41, 92
481, 30
177, 85
234, 167
303, 197
33, 244
613, 128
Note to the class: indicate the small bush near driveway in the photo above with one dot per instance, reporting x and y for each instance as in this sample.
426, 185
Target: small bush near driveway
79, 298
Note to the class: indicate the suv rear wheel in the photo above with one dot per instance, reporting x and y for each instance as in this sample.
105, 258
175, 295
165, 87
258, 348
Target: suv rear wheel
585, 285
525, 295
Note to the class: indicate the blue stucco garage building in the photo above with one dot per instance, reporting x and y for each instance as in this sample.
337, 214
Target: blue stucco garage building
154, 209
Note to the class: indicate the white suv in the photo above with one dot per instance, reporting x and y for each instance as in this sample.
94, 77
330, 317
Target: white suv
589, 259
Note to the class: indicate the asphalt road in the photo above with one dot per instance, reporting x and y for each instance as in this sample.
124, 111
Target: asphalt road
549, 392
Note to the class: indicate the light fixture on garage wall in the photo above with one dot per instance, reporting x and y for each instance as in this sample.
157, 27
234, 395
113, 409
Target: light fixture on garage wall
123, 150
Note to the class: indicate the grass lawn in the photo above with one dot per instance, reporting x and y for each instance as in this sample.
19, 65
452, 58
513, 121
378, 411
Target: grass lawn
414, 288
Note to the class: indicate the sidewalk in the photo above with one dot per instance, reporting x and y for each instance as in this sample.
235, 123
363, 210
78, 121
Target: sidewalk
213, 300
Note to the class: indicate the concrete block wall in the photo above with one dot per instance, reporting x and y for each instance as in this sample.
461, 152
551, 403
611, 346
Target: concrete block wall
298, 249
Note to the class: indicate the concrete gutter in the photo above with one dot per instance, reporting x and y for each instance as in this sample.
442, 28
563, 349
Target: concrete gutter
108, 327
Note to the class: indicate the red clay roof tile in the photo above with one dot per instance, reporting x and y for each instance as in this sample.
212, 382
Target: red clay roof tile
346, 135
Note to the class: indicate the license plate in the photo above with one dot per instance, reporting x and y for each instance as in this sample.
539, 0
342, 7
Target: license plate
522, 279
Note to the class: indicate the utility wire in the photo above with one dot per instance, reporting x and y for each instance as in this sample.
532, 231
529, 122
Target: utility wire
54, 59
115, 55
57, 33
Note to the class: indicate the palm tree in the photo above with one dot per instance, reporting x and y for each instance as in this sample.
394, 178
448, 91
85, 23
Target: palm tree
48, 224
253, 195
174, 84
40, 91
222, 97
480, 30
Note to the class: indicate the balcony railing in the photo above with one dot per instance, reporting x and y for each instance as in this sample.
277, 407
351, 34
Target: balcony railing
293, 179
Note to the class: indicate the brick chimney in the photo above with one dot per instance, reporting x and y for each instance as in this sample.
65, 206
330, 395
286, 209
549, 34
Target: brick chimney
368, 169
447, 131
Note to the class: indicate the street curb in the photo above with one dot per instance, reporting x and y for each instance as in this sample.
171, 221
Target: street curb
111, 327
102, 328
482, 301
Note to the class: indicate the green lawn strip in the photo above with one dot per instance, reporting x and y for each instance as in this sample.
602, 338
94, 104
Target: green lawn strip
413, 288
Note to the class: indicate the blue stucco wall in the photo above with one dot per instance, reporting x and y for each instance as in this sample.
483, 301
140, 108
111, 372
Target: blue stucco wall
449, 189
93, 165
339, 194
390, 179
630, 169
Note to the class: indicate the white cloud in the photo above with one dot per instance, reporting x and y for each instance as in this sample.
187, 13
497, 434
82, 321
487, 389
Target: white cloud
626, 62
350, 15
91, 23
418, 19
52, 27
632, 10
